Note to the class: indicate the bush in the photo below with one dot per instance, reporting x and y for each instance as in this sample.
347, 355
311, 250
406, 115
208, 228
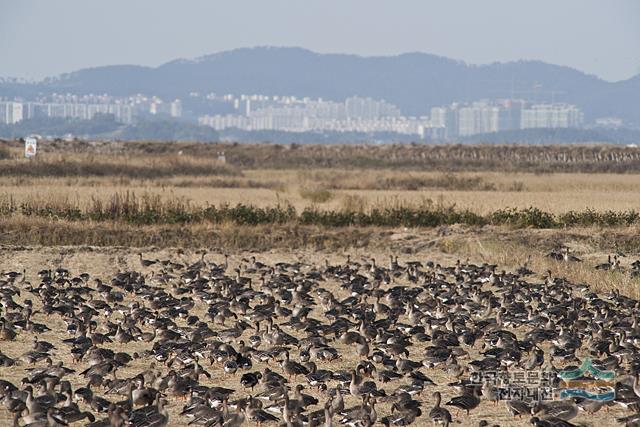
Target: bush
152, 209
530, 217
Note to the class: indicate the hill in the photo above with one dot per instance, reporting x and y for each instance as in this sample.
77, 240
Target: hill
413, 81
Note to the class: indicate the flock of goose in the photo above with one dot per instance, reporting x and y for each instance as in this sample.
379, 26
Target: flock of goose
297, 344
613, 262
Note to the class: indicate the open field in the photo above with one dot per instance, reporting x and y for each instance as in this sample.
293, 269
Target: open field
92, 207
480, 178
481, 192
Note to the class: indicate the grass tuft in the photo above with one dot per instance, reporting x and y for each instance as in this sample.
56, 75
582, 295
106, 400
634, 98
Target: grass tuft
316, 195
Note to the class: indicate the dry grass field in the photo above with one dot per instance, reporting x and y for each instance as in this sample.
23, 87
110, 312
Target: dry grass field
481, 192
79, 176
480, 178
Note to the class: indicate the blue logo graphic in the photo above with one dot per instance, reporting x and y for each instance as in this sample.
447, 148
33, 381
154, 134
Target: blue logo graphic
598, 385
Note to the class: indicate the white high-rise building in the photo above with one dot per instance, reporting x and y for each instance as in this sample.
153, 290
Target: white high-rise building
175, 108
445, 121
10, 112
551, 116
482, 117
502, 114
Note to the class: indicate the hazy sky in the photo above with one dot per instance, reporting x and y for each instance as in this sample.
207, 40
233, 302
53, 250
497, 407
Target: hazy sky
44, 37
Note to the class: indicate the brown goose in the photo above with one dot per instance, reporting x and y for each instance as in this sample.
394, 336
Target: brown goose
564, 410
146, 262
292, 368
150, 416
6, 333
468, 401
258, 415
438, 414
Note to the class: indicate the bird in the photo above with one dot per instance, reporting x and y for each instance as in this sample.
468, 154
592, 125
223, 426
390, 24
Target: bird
292, 368
564, 409
250, 379
468, 401
146, 262
438, 414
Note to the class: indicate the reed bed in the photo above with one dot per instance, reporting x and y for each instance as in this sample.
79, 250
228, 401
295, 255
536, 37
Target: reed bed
585, 158
151, 167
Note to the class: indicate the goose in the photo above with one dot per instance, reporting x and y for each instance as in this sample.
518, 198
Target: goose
388, 375
258, 415
517, 408
636, 384
292, 368
402, 418
147, 336
555, 255
230, 366
489, 392
567, 257
438, 414
605, 265
468, 401
49, 419
564, 410
328, 414
150, 416
6, 333
550, 422
42, 346
362, 347
405, 366
142, 395
202, 264
69, 414
250, 379
303, 400
455, 370
366, 411
316, 377
404, 402
201, 413
591, 406
535, 360
146, 262
355, 385
121, 336
337, 402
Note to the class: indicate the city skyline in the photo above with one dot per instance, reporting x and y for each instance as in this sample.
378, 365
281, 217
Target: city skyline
298, 115
152, 33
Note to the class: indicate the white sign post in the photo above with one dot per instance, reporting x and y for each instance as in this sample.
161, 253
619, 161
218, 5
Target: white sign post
30, 147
